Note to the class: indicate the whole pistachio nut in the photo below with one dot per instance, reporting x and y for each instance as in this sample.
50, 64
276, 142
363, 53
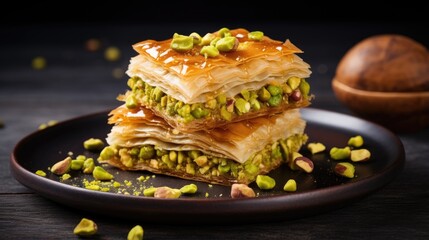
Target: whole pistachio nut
316, 147
356, 141
304, 164
85, 227
360, 155
345, 169
62, 167
136, 233
240, 190
167, 192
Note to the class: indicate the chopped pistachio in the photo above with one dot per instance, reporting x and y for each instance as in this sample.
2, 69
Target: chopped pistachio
356, 141
290, 186
209, 51
182, 43
274, 90
196, 38
221, 99
65, 176
263, 94
130, 102
207, 39
88, 166
93, 144
147, 152
227, 44
107, 153
316, 147
275, 101
255, 35
265, 182
242, 105
294, 82
100, 173
189, 189
304, 87
41, 173
339, 153
223, 31
85, 227
136, 233
149, 192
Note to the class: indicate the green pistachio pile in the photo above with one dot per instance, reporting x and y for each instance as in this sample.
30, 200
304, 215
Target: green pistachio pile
211, 44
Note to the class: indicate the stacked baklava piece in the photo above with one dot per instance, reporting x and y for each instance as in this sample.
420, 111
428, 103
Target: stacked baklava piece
220, 108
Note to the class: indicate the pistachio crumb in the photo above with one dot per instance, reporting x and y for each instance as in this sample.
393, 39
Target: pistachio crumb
41, 173
65, 176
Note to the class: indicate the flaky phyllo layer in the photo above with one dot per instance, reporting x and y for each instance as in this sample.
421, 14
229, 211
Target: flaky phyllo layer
192, 91
235, 153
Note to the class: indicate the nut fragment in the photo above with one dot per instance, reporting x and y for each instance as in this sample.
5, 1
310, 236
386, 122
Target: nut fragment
189, 189
316, 147
240, 190
166, 192
290, 186
304, 164
136, 233
339, 153
61, 167
345, 169
149, 192
356, 141
265, 182
93, 144
360, 155
86, 227
100, 173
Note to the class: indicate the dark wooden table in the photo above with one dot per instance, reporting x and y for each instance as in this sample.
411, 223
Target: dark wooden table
77, 82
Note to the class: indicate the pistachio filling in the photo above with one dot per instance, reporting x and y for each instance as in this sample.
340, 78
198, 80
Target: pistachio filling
195, 163
291, 92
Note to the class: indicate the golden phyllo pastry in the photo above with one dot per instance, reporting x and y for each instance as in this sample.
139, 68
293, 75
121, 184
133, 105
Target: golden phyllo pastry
196, 82
234, 153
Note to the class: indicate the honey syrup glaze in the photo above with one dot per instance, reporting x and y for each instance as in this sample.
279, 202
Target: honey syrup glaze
192, 62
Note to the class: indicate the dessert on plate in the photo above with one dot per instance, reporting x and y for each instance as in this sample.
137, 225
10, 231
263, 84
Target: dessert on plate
222, 108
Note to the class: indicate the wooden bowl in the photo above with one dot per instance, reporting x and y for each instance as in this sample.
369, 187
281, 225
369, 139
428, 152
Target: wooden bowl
385, 79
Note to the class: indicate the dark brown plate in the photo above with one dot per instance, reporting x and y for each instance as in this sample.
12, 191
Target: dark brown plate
317, 192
